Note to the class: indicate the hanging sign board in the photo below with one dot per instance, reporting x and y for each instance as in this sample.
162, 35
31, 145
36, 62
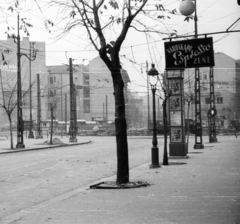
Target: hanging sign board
193, 53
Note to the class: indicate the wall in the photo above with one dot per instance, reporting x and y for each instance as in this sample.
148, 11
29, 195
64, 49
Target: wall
8, 68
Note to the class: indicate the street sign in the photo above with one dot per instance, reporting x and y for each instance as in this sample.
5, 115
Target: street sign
193, 53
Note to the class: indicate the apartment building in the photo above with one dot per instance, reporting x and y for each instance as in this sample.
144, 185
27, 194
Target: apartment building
94, 91
226, 88
29, 71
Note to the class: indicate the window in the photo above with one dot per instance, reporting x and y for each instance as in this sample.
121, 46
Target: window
85, 79
219, 100
86, 92
51, 80
207, 100
86, 106
52, 93
205, 77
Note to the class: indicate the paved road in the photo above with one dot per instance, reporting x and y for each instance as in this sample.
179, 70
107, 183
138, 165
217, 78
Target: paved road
29, 178
48, 186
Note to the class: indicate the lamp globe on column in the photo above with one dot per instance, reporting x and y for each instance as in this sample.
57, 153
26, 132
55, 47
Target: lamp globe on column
187, 7
153, 74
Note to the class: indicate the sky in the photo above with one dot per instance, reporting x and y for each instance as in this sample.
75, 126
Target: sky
137, 50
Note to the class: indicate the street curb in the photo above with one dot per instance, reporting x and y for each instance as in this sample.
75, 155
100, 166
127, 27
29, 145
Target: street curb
45, 147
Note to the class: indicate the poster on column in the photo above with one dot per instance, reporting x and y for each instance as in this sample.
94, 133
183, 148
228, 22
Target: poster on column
175, 103
174, 85
175, 118
176, 134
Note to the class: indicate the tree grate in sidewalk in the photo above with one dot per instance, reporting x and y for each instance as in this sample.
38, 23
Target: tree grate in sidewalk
114, 185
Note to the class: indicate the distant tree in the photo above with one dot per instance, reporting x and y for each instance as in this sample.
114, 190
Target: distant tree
51, 99
8, 98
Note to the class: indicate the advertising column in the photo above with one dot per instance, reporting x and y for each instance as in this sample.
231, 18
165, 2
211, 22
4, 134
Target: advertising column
177, 146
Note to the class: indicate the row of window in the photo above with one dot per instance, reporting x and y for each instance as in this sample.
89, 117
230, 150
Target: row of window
218, 100
86, 106
86, 92
53, 79
85, 87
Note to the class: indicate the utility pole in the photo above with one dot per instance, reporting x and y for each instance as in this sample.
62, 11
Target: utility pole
73, 116
103, 112
212, 111
106, 108
20, 124
30, 134
148, 105
61, 101
39, 116
198, 117
66, 112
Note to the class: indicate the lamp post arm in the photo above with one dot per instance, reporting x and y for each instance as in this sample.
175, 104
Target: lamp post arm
30, 58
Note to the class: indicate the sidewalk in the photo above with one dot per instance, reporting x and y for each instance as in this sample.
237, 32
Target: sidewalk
203, 189
37, 144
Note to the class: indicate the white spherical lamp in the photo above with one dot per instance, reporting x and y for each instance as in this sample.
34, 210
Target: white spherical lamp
187, 7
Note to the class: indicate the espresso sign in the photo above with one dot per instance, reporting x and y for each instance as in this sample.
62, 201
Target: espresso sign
189, 53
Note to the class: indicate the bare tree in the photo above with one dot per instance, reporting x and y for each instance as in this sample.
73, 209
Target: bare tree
8, 100
51, 100
99, 18
164, 97
107, 23
189, 99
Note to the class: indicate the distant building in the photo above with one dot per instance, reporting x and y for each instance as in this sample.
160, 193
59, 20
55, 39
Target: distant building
226, 88
8, 72
94, 89
59, 84
102, 102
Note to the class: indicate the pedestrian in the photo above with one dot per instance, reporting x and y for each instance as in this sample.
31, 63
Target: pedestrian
235, 131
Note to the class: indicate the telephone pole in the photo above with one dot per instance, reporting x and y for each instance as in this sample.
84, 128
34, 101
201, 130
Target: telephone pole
20, 124
73, 116
31, 58
39, 116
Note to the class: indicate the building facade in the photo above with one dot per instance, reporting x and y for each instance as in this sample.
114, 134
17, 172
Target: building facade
59, 88
29, 71
226, 88
93, 89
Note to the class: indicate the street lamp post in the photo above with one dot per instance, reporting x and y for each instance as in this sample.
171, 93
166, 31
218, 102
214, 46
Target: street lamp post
20, 124
187, 7
31, 58
73, 117
155, 155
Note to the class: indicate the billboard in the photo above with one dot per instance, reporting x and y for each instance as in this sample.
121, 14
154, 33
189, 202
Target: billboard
193, 53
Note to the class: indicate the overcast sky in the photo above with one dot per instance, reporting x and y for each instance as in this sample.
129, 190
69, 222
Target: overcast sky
213, 16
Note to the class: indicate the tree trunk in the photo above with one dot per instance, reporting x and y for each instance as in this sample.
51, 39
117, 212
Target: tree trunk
165, 154
11, 132
120, 118
121, 130
51, 129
